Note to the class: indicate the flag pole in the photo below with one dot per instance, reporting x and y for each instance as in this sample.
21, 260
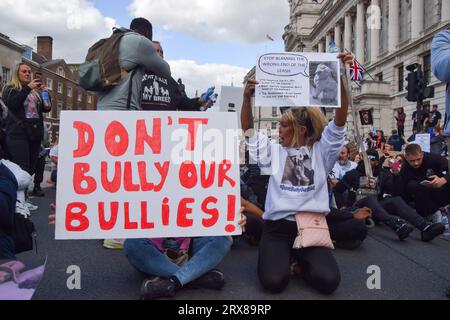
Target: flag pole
365, 70
346, 81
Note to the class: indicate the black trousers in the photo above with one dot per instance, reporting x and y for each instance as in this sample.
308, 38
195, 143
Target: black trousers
428, 200
254, 227
388, 209
24, 153
39, 172
347, 230
398, 207
318, 265
6, 222
401, 131
379, 214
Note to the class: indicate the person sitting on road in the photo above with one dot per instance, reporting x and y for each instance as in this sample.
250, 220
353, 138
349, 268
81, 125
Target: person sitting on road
352, 182
342, 166
8, 198
348, 228
308, 150
54, 158
425, 180
396, 141
176, 263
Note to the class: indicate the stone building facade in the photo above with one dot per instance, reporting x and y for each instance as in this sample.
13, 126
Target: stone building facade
60, 77
385, 35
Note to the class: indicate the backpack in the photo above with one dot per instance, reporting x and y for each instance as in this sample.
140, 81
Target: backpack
102, 69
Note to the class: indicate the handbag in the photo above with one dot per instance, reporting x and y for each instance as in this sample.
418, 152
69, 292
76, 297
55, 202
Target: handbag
312, 231
24, 231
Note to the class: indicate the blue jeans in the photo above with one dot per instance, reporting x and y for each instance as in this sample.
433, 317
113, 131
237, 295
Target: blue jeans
54, 175
6, 247
207, 253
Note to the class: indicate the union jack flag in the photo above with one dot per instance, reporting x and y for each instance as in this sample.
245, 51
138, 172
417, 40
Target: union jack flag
356, 71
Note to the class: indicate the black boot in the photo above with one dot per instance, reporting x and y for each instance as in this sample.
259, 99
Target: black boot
401, 228
37, 192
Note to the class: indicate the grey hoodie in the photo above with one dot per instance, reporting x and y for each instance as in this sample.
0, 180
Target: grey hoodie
135, 52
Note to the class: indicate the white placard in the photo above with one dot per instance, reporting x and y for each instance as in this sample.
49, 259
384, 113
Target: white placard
298, 79
147, 175
424, 141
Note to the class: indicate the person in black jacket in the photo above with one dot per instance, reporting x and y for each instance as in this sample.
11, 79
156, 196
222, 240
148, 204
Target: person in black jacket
389, 205
351, 182
425, 180
348, 228
390, 197
24, 124
8, 197
161, 93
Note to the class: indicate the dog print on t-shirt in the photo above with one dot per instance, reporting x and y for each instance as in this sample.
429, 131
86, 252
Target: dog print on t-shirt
298, 170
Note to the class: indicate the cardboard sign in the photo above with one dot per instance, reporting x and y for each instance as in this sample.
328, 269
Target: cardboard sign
424, 141
298, 79
147, 175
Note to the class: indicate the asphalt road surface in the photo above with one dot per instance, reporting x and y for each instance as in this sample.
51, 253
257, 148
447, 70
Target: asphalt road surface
409, 270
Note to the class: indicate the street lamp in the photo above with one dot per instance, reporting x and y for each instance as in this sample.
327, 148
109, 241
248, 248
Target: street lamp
301, 46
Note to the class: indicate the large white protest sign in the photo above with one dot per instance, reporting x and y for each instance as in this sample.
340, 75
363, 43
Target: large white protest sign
147, 175
424, 141
298, 79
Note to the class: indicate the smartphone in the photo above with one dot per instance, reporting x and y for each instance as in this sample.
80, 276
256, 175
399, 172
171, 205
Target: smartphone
38, 77
425, 183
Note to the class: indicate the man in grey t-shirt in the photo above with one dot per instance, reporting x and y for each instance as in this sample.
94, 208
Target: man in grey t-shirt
136, 54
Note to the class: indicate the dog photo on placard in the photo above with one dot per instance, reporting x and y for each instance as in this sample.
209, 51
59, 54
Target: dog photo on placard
323, 83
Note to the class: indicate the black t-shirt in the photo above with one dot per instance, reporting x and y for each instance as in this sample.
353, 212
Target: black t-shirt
164, 94
435, 116
159, 93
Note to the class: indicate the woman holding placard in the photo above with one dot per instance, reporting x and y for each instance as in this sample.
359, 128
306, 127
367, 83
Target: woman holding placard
297, 197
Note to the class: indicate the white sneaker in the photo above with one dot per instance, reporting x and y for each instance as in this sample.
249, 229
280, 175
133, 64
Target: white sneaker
22, 209
116, 244
31, 206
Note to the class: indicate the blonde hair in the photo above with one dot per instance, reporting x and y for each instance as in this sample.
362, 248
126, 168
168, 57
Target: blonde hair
15, 82
312, 119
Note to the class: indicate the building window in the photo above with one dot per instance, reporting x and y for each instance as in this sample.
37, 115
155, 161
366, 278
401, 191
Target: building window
89, 99
274, 125
69, 92
401, 78
49, 84
60, 87
59, 107
61, 72
80, 97
379, 77
6, 75
274, 112
427, 67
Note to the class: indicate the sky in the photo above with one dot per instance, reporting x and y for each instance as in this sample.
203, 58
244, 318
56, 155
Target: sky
206, 42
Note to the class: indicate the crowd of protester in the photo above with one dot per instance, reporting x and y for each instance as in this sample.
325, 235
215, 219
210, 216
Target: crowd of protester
322, 176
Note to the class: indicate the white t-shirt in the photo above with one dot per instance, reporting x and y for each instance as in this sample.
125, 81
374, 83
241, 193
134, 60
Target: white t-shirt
339, 170
54, 153
298, 181
23, 178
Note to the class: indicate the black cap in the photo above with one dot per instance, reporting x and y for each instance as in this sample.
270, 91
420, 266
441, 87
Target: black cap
373, 155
